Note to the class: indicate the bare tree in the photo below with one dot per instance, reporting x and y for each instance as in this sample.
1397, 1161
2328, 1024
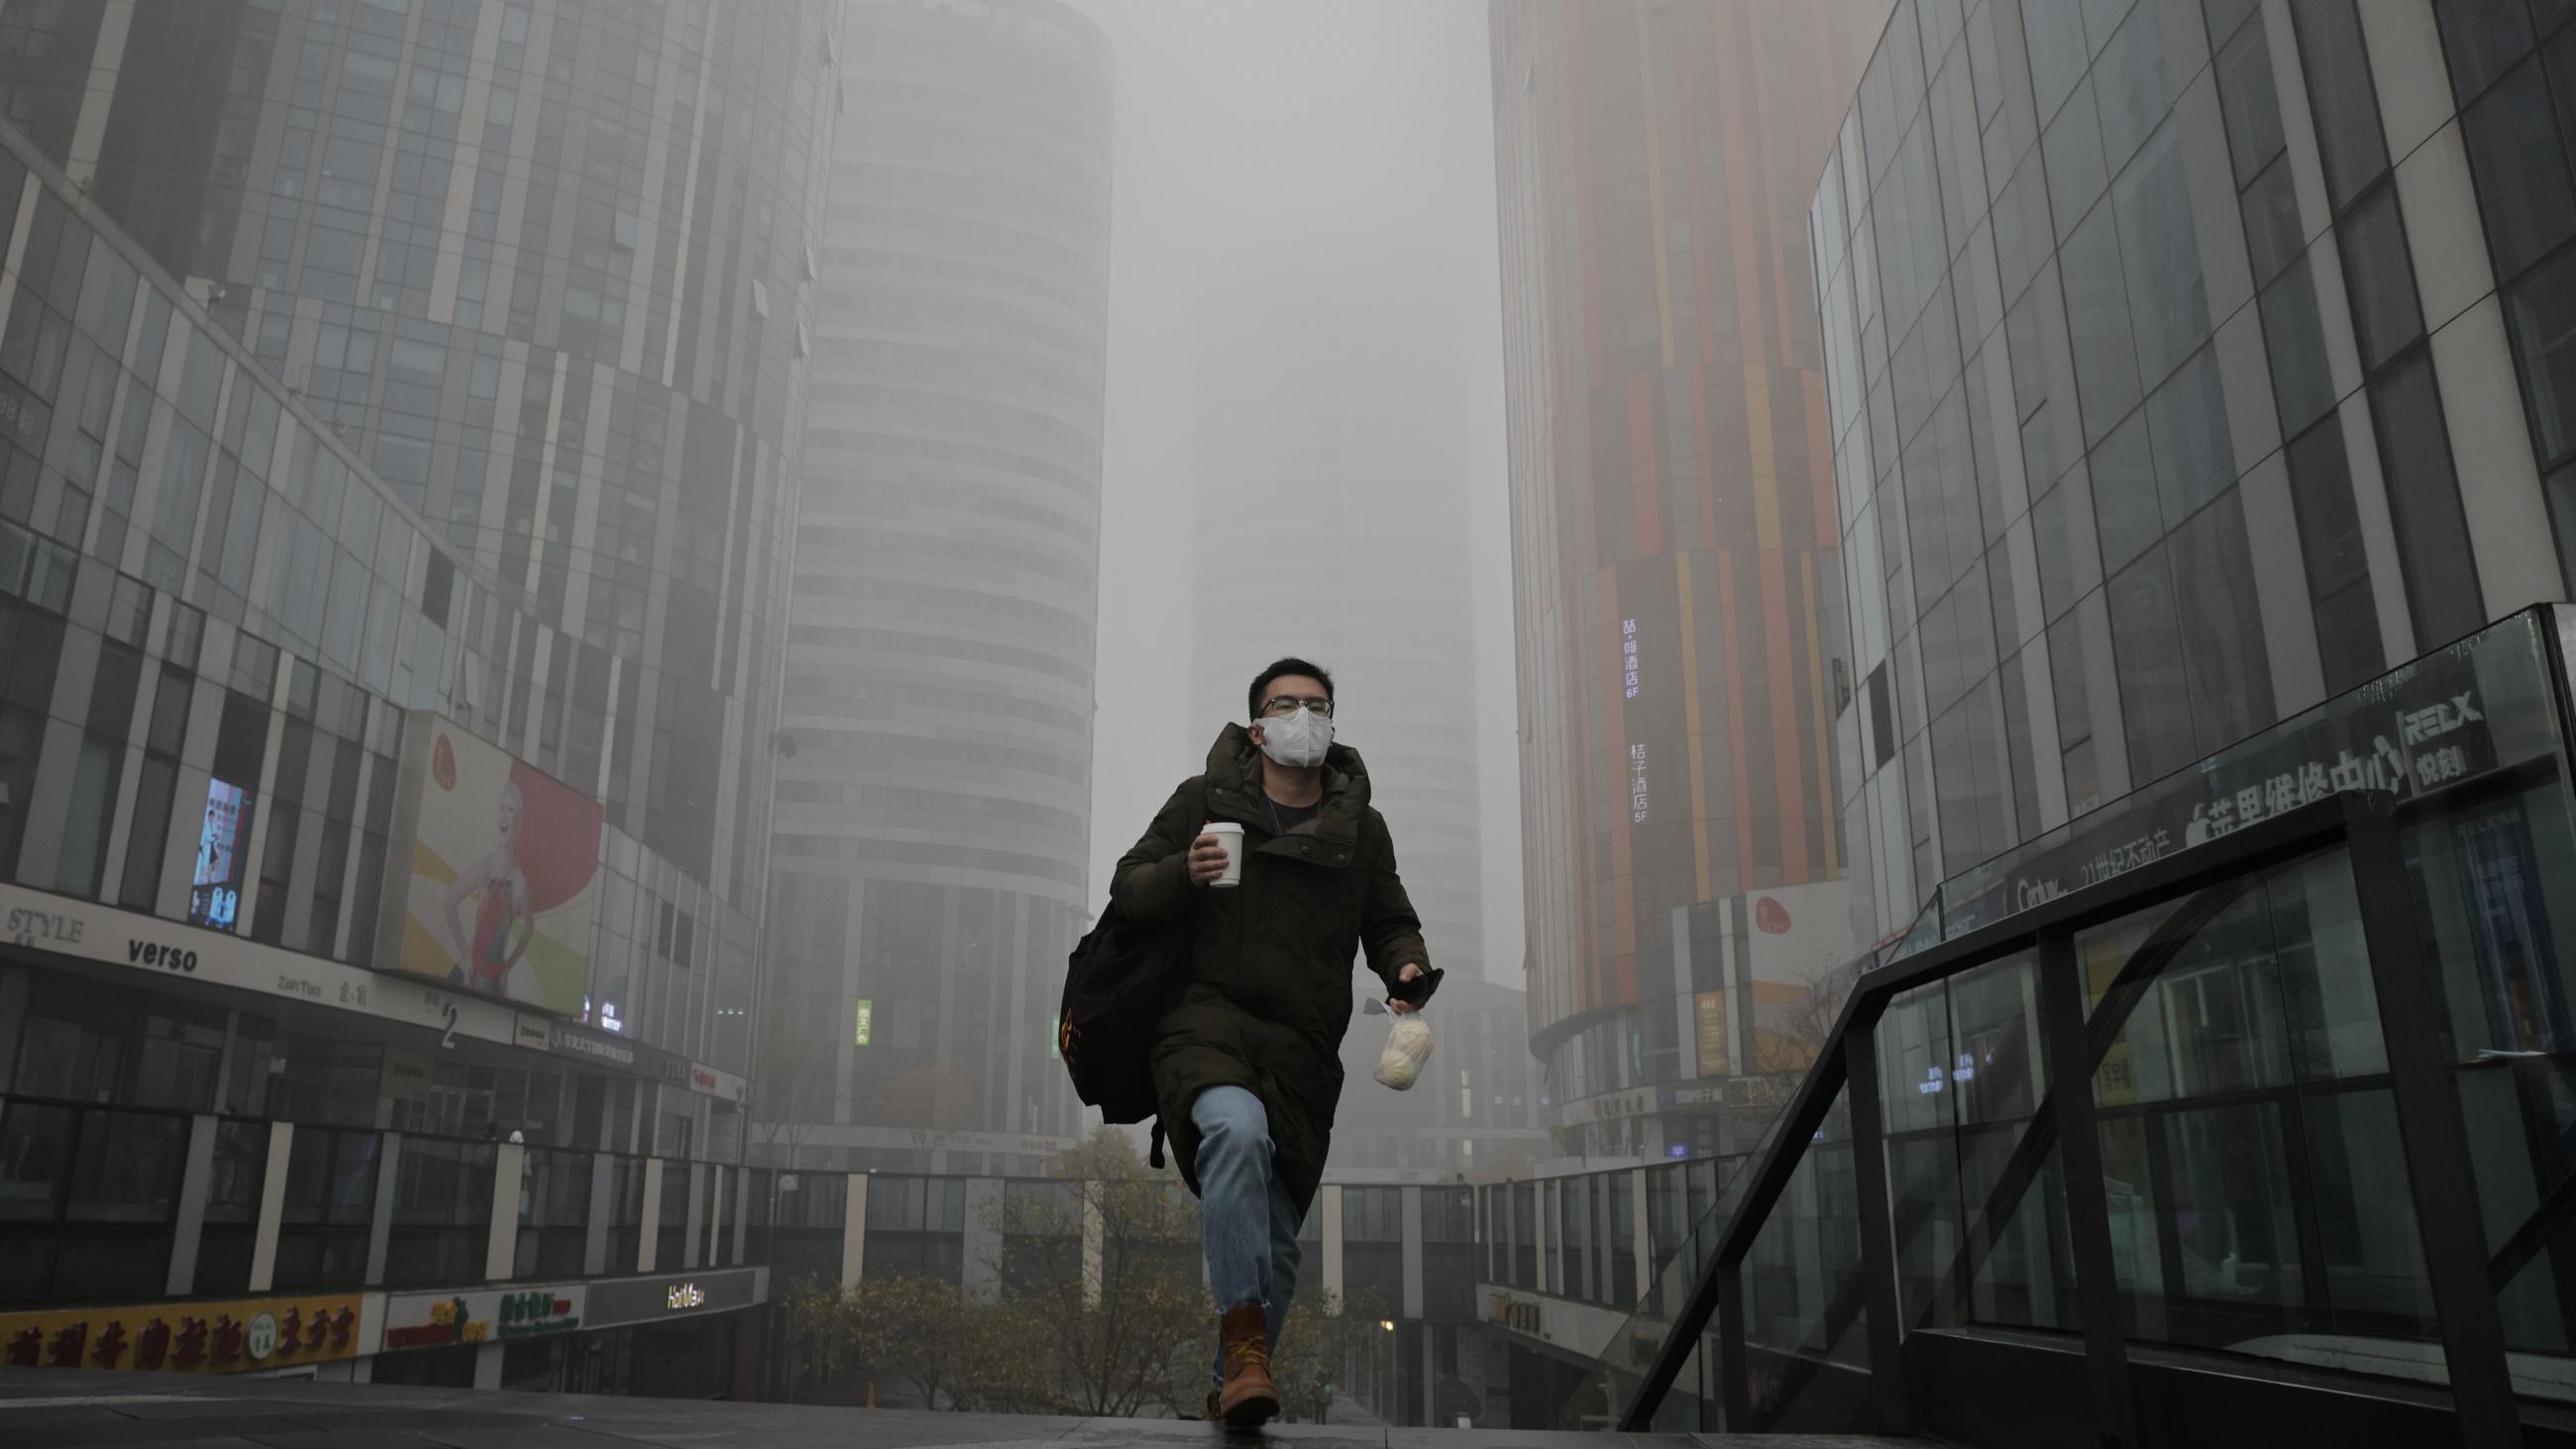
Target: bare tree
1321, 1346
790, 1062
1102, 1268
1787, 1040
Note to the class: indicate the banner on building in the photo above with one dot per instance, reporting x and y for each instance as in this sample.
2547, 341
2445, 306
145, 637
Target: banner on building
187, 1338
500, 888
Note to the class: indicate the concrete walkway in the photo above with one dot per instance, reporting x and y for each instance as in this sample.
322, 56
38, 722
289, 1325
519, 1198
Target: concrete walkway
60, 1408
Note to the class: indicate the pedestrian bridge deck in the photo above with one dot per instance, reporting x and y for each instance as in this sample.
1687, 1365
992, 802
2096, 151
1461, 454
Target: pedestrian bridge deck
58, 1408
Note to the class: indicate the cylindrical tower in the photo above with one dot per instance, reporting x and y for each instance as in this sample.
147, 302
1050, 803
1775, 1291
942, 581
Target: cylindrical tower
933, 834
1674, 548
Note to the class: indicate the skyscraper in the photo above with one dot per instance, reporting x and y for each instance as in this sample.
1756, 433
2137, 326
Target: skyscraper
2187, 365
540, 272
933, 835
1330, 522
1675, 558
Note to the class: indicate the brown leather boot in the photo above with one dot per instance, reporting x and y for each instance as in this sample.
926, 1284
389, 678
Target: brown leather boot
1249, 1399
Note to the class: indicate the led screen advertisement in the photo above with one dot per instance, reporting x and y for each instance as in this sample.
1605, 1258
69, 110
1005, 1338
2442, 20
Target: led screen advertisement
500, 890
223, 846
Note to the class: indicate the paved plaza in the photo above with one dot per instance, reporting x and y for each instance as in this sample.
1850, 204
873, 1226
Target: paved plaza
56, 1409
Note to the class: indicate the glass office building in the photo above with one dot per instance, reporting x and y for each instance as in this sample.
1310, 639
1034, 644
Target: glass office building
2196, 384
2186, 364
1676, 562
933, 833
382, 374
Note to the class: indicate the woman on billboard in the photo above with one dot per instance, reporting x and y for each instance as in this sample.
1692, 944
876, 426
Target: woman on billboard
503, 923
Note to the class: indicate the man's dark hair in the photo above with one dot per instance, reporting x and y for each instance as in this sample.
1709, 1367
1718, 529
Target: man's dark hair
1281, 670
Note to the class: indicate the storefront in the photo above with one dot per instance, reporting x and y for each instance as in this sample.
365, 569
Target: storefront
259, 1335
683, 1335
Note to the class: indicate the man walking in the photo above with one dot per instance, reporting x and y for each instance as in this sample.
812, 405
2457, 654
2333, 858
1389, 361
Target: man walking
1246, 1057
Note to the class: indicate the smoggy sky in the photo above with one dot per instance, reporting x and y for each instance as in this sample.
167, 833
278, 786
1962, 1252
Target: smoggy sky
1249, 128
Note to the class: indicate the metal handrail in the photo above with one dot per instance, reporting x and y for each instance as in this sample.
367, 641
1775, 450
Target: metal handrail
2317, 825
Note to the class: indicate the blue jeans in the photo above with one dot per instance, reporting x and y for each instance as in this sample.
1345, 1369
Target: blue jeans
1247, 1221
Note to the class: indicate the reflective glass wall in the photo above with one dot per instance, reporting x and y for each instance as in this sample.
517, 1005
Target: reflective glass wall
2160, 338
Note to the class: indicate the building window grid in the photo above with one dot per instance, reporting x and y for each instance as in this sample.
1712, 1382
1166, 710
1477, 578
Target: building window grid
2484, 54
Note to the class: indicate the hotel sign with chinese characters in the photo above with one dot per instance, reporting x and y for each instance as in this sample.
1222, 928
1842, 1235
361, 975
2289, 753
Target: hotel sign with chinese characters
187, 1338
2464, 711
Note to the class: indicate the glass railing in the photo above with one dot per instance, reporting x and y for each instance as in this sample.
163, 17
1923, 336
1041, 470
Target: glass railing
2301, 1095
1614, 1380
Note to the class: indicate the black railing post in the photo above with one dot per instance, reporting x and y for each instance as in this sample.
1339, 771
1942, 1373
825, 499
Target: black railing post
1734, 1373
2428, 1121
2088, 1205
1890, 1403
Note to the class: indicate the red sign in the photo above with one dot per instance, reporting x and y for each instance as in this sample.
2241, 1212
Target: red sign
1770, 917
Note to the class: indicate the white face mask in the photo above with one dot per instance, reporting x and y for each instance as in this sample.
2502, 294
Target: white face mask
1297, 741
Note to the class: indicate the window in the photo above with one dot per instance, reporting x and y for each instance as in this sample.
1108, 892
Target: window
2154, 696
2521, 170
84, 845
2347, 620
2302, 384
2125, 508
2097, 317
2250, 101
2424, 503
2380, 277
2483, 37
2541, 310
2336, 66
2222, 626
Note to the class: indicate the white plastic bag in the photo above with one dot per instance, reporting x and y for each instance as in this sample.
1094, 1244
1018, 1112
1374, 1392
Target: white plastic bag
1408, 1046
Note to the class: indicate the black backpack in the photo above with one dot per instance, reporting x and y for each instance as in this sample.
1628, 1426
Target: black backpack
1116, 984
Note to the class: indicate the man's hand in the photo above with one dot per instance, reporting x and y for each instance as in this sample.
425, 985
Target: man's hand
1206, 859
1412, 969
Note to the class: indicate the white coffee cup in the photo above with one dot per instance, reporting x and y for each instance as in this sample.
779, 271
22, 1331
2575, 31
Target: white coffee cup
1229, 835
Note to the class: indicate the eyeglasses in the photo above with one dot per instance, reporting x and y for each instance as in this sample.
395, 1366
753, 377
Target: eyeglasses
1281, 706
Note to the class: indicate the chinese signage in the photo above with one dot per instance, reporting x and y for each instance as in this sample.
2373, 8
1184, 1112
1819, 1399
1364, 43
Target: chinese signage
188, 1338
2476, 706
1712, 1033
214, 899
1514, 1312
436, 1320
867, 1020
1628, 655
1637, 784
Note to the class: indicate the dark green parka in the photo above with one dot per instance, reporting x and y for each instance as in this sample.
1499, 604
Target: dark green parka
1269, 990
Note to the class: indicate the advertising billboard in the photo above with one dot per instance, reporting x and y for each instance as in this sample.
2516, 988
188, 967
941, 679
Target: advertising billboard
501, 888
223, 842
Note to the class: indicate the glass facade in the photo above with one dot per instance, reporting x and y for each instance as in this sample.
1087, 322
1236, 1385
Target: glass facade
932, 837
303, 438
1676, 561
2294, 1095
2159, 341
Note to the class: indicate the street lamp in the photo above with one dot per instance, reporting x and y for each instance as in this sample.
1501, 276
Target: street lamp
1388, 1324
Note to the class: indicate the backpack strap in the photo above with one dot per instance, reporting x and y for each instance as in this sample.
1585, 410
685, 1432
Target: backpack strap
1154, 1153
